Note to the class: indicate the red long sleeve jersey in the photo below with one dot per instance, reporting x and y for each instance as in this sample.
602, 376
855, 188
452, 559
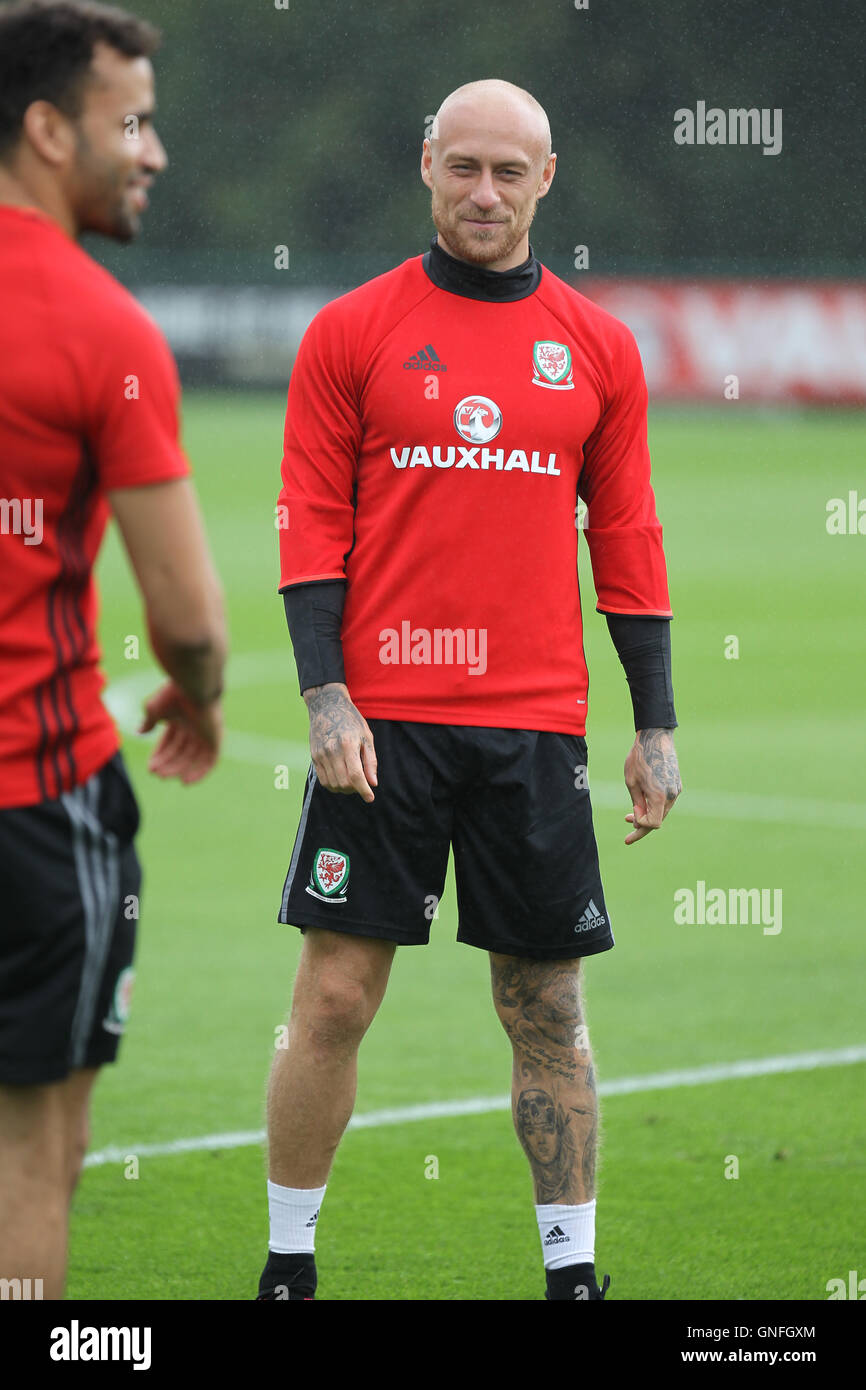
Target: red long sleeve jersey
88, 403
445, 494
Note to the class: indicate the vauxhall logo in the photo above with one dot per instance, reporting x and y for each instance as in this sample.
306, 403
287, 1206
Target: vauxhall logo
478, 420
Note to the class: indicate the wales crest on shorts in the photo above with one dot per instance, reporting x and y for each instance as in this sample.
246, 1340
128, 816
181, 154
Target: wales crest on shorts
118, 1010
329, 875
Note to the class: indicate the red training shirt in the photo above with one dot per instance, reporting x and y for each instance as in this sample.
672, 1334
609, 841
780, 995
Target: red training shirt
435, 446
88, 402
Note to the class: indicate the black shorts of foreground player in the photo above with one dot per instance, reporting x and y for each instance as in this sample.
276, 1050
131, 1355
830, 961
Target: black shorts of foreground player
515, 806
69, 886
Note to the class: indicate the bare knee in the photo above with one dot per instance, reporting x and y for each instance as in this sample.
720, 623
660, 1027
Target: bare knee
335, 1013
338, 989
31, 1125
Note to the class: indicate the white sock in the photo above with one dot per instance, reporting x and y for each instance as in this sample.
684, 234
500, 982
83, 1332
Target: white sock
294, 1212
567, 1234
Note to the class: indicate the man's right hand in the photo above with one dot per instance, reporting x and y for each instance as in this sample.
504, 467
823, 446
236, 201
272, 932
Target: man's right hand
190, 742
341, 742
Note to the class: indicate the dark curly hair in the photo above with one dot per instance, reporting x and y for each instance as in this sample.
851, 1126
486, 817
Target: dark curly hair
46, 47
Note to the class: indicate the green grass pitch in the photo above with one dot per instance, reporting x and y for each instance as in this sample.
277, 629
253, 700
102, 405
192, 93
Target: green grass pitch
770, 746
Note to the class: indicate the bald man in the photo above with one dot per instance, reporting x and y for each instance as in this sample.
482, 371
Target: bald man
443, 421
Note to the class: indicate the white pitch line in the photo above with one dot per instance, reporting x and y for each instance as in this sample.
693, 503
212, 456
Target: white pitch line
484, 1105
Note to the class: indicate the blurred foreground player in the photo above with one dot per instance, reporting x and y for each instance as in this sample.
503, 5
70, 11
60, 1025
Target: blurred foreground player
88, 421
442, 422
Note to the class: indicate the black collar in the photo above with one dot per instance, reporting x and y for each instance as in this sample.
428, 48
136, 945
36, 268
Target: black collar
476, 281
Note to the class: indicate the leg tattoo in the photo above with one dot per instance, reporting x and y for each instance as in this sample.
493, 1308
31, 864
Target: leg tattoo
553, 1093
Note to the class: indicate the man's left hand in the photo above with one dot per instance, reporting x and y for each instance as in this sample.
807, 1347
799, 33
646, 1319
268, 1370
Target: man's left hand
652, 776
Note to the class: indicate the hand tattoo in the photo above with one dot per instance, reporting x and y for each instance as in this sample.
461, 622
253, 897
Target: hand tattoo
660, 760
332, 718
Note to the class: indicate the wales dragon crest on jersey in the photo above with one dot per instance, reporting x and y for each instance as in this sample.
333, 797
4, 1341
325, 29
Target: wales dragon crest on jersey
551, 366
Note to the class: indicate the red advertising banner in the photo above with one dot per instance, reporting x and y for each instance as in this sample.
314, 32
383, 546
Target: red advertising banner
718, 340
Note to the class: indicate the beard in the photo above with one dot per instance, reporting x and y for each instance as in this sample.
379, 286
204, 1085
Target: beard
115, 221
101, 196
471, 243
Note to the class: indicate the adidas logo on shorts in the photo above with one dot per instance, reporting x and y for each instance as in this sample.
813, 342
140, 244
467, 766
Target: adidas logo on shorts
590, 918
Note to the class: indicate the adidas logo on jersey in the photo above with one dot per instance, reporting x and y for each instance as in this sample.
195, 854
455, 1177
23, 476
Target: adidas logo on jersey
427, 360
590, 918
555, 1236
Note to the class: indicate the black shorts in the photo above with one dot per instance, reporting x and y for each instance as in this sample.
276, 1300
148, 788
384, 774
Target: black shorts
69, 891
515, 806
